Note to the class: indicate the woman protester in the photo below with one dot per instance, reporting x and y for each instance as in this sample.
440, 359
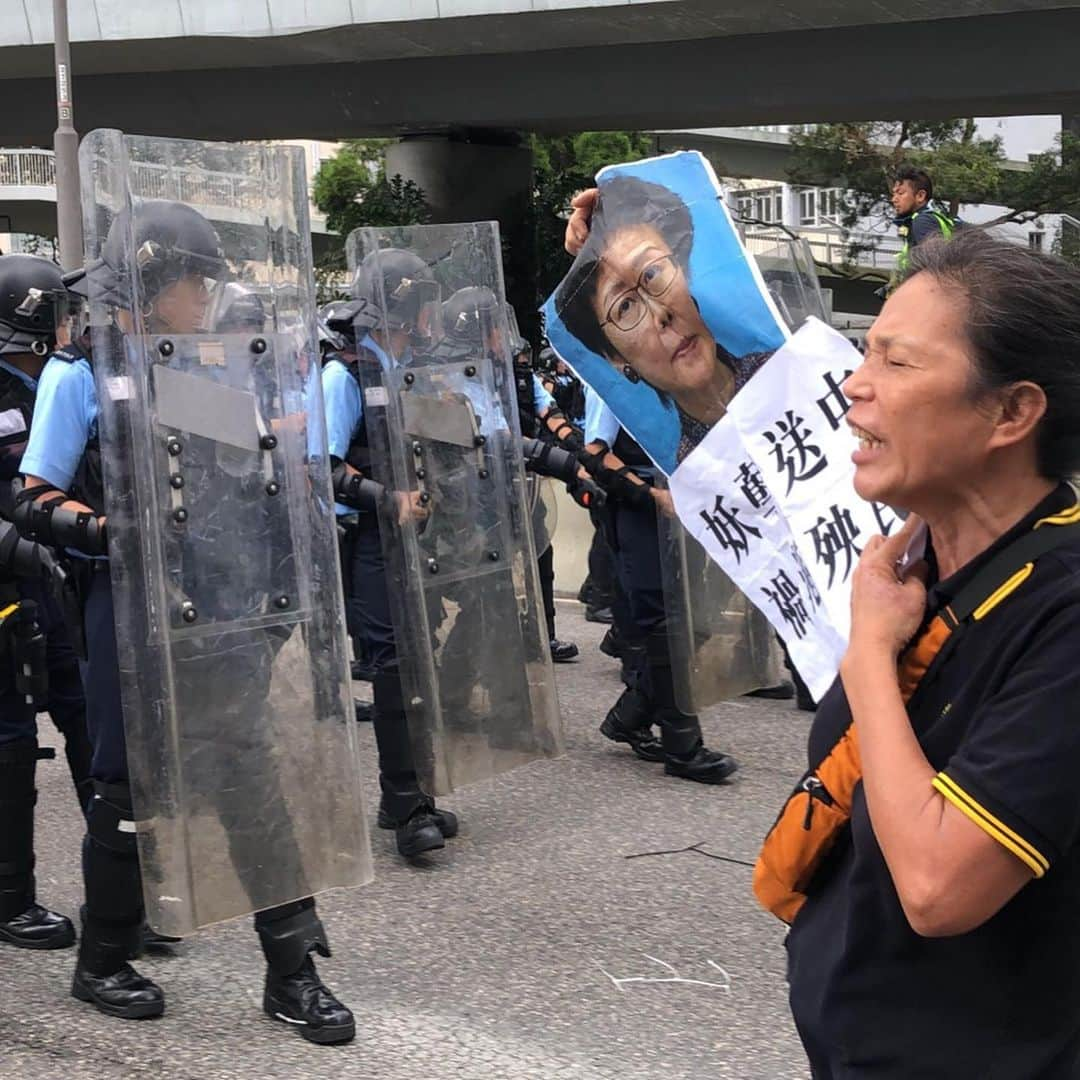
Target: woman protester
631, 302
929, 861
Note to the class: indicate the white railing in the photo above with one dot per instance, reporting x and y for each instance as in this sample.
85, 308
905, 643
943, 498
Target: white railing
27, 168
831, 246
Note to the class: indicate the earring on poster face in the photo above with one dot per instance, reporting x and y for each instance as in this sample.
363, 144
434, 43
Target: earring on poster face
631, 374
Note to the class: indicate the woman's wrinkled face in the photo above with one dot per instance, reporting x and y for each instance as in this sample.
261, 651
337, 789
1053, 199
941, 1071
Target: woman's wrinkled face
181, 307
670, 348
921, 431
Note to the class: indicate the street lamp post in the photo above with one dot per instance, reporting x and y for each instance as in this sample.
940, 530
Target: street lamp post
66, 148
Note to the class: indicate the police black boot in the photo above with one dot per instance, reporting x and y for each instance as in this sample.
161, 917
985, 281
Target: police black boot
23, 922
562, 652
294, 993
113, 915
103, 977
403, 807
446, 820
685, 753
630, 721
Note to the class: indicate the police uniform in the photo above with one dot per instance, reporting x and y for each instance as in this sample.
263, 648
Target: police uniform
411, 812
533, 401
649, 697
64, 451
64, 703
38, 667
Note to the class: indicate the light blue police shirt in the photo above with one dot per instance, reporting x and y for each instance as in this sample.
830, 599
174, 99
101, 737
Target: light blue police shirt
542, 400
601, 424
344, 404
65, 420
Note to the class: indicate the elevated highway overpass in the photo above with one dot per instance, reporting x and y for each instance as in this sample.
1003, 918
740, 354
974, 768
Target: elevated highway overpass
336, 68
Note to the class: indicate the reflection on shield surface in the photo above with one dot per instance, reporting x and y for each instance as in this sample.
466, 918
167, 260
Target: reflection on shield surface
237, 705
443, 432
721, 645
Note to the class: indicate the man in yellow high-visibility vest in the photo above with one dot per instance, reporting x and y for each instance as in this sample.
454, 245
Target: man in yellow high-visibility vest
916, 220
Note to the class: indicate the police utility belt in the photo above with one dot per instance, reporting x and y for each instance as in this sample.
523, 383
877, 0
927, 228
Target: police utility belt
819, 809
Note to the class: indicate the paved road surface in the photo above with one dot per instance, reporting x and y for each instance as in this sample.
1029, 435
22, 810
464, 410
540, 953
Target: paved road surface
532, 947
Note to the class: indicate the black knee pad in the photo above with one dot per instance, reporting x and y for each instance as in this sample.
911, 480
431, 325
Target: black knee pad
111, 858
289, 933
110, 821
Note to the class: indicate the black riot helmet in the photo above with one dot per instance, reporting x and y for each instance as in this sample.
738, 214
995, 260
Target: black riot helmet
338, 317
171, 241
330, 340
469, 317
397, 290
29, 289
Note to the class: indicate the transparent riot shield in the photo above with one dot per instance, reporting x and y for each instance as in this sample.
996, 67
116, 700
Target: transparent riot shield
543, 510
228, 607
444, 438
787, 265
721, 646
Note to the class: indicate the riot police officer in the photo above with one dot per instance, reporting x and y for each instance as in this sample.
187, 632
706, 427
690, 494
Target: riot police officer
63, 504
465, 314
379, 327
622, 468
30, 618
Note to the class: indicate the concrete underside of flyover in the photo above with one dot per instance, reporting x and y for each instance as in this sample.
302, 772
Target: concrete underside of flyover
254, 88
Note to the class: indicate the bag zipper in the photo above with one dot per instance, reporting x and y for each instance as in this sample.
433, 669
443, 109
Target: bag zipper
814, 789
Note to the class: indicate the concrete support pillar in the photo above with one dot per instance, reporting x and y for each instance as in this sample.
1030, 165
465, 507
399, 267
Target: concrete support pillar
480, 176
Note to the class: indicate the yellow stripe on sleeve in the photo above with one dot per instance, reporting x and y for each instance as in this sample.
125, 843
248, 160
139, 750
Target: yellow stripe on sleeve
992, 826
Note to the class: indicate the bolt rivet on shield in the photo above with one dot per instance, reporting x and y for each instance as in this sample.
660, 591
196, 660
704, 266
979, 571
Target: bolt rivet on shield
273, 487
174, 446
410, 378
470, 371
483, 474
421, 474
433, 566
179, 515
165, 348
281, 603
258, 345
417, 449
268, 442
479, 440
493, 556
425, 498
189, 614
176, 481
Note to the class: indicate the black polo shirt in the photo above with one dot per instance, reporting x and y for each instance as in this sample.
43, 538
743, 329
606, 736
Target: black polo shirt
1001, 723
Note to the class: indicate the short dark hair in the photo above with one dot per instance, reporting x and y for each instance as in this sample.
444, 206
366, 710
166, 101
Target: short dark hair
624, 201
919, 179
1022, 315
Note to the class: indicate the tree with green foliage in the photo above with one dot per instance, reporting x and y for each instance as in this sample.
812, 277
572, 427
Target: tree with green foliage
564, 165
862, 158
353, 190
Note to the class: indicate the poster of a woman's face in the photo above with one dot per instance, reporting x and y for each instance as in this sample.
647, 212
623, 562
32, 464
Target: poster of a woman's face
663, 313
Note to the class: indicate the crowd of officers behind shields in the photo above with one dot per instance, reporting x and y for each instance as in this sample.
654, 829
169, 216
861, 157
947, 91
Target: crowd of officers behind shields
57, 632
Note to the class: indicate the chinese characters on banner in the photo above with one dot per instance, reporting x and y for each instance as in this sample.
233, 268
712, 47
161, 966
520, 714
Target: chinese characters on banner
768, 493
663, 314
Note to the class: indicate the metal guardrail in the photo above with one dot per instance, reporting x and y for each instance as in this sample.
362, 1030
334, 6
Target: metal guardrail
37, 168
27, 168
832, 247
230, 193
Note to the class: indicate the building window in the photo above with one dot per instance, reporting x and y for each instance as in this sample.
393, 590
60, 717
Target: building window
1035, 240
762, 204
820, 206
